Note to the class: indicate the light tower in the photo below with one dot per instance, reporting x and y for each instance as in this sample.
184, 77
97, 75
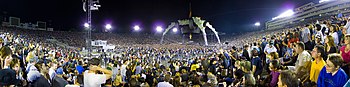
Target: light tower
88, 6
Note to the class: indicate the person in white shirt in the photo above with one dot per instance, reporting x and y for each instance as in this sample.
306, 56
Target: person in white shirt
166, 82
347, 26
91, 78
324, 26
319, 32
52, 70
303, 55
270, 48
306, 35
123, 70
334, 34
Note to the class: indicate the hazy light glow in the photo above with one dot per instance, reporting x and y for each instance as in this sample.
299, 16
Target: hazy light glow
321, 1
284, 14
174, 30
257, 24
86, 25
137, 28
108, 26
159, 29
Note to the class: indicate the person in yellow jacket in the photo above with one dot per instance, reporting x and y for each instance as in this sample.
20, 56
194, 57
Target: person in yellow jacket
118, 80
317, 53
194, 66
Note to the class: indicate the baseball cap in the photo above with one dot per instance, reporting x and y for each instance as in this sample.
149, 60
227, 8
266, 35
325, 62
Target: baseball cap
317, 36
59, 71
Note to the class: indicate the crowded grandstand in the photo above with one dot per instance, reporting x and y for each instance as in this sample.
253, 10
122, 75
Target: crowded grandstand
314, 52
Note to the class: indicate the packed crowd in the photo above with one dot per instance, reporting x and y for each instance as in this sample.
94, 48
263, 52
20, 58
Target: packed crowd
315, 54
77, 39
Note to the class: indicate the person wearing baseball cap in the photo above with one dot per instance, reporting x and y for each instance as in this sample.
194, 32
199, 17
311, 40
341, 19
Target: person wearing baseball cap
58, 80
317, 40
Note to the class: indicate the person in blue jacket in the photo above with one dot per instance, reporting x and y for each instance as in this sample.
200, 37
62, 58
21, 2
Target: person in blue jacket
332, 75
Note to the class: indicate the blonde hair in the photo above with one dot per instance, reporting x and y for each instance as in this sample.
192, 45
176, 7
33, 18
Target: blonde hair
273, 55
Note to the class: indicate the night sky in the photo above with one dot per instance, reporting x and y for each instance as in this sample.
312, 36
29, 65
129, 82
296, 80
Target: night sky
229, 16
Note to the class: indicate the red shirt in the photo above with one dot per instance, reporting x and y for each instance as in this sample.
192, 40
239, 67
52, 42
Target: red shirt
345, 55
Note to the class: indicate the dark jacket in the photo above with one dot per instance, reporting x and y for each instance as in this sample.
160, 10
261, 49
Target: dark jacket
40, 82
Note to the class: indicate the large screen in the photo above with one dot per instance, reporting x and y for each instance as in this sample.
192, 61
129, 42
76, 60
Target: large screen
41, 25
14, 21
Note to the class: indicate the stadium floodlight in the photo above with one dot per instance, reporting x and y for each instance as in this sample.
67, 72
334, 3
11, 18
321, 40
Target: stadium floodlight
284, 14
86, 25
257, 24
136, 28
174, 30
108, 26
159, 29
321, 1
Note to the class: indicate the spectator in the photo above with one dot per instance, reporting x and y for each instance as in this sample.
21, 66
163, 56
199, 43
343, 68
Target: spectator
58, 80
345, 53
5, 53
270, 48
177, 81
257, 64
52, 70
317, 40
41, 79
303, 64
91, 78
271, 56
138, 69
332, 75
287, 79
330, 46
166, 82
306, 37
317, 53
8, 78
123, 71
246, 53
118, 80
319, 32
334, 33
8, 75
274, 65
248, 79
194, 66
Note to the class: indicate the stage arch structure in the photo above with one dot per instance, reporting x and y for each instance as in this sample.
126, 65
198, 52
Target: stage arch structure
194, 22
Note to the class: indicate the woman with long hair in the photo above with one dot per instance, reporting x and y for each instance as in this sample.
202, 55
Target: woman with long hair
330, 45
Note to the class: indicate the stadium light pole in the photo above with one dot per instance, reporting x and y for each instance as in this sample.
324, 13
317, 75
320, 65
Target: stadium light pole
136, 28
86, 25
287, 13
159, 29
174, 30
108, 26
88, 6
257, 24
